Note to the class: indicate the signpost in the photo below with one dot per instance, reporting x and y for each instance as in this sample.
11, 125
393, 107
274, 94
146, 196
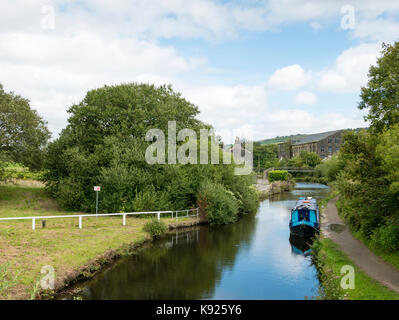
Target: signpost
97, 189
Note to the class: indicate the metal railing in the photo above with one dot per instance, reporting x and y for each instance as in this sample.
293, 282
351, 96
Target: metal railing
174, 214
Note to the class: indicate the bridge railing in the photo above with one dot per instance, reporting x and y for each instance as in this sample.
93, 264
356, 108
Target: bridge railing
174, 214
295, 168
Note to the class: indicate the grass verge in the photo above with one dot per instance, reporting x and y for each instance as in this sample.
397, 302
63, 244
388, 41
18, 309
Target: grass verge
71, 251
329, 261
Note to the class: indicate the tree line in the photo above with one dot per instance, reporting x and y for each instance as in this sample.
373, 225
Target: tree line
104, 144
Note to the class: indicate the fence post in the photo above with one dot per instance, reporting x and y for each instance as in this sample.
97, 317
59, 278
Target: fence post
80, 222
159, 215
33, 223
197, 212
187, 213
124, 219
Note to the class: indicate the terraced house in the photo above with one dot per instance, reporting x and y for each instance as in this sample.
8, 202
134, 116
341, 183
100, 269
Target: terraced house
324, 144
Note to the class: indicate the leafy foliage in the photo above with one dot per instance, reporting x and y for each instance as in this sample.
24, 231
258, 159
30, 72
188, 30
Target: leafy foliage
381, 95
23, 133
104, 145
278, 175
264, 156
220, 205
155, 228
310, 159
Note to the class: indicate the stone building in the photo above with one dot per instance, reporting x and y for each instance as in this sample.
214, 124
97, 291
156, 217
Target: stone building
324, 144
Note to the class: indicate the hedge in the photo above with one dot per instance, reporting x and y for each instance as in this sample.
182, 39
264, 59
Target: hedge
278, 175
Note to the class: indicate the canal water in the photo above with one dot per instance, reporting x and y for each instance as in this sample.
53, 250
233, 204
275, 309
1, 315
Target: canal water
252, 259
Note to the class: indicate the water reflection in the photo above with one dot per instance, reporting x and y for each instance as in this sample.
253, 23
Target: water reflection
301, 245
251, 259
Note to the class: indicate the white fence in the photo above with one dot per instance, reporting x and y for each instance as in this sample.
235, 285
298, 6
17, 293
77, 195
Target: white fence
174, 214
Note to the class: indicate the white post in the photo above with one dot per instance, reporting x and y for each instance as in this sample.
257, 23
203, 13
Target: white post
33, 223
197, 212
124, 219
80, 222
159, 215
187, 213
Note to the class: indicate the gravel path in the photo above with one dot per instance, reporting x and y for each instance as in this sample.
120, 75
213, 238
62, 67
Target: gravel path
362, 256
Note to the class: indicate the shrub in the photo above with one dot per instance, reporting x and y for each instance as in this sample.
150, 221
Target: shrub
155, 228
386, 237
278, 175
151, 200
220, 205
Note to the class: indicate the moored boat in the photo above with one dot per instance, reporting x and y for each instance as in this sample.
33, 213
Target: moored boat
305, 217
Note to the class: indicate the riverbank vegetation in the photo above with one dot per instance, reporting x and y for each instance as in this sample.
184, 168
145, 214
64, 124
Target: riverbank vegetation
329, 261
104, 144
73, 253
365, 171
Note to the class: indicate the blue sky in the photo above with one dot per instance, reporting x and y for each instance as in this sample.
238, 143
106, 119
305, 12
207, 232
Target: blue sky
254, 68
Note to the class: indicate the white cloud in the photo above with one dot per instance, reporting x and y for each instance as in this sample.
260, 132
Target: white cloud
97, 42
246, 108
55, 71
305, 98
350, 70
289, 78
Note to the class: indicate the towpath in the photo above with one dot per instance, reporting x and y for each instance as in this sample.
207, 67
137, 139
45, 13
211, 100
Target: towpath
362, 256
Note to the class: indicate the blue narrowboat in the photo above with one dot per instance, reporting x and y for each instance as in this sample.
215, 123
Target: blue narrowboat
305, 217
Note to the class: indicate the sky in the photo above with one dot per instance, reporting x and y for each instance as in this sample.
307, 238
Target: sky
254, 68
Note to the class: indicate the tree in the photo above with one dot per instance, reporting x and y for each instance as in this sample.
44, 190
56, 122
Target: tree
381, 95
264, 156
310, 159
104, 144
23, 133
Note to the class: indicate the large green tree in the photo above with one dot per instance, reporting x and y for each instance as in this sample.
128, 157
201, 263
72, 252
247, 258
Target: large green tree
381, 94
23, 133
104, 144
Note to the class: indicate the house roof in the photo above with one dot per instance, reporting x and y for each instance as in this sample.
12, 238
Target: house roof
314, 137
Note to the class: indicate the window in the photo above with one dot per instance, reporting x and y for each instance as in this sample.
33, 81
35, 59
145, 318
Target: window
329, 140
330, 149
336, 149
336, 140
322, 149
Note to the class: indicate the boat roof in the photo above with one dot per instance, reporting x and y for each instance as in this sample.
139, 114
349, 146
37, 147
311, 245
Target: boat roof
310, 204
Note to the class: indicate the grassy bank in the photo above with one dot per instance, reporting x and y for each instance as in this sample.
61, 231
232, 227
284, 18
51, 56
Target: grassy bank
72, 252
329, 260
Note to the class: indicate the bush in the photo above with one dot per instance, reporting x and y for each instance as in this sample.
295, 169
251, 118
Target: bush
12, 170
278, 175
386, 237
220, 205
155, 228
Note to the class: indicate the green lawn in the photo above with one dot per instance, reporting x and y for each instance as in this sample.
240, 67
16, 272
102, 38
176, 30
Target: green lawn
61, 244
331, 260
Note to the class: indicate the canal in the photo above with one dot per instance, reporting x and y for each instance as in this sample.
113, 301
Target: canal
251, 259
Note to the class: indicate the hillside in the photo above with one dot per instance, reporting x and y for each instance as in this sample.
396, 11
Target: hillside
294, 137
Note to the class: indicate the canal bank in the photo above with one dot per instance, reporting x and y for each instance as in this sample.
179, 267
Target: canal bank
74, 254
253, 258
375, 279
